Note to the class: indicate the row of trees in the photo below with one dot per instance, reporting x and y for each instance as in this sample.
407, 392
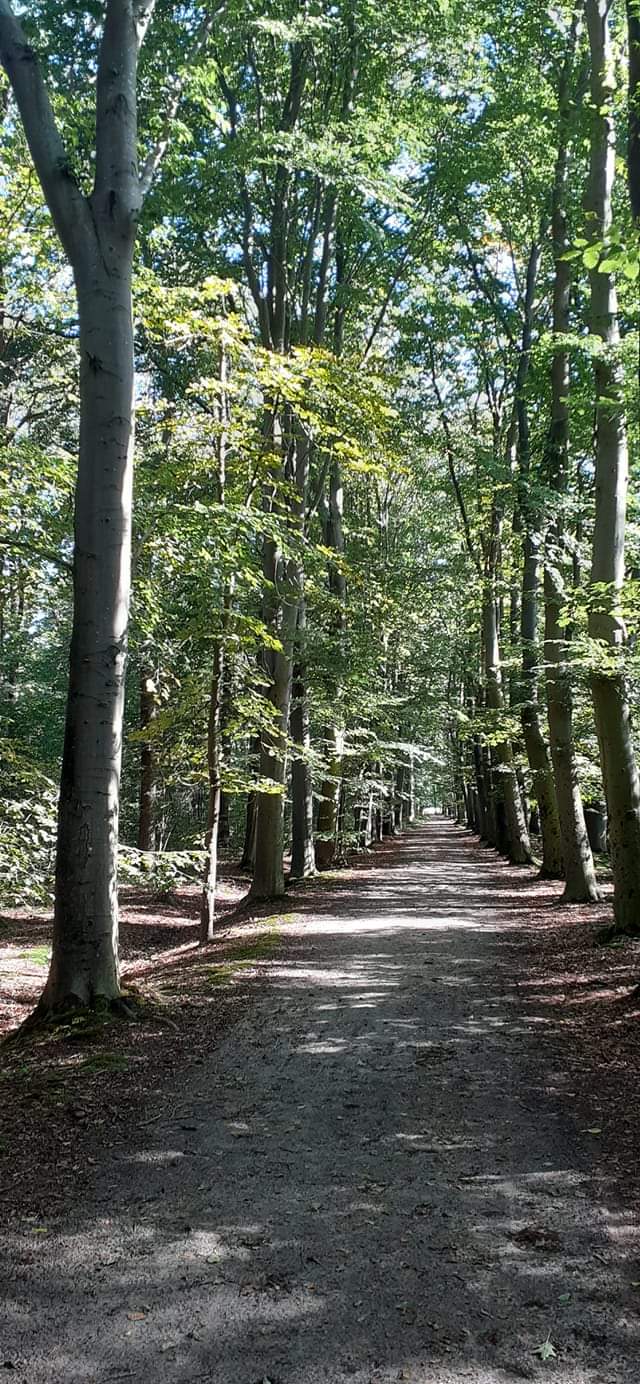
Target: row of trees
343, 266
567, 331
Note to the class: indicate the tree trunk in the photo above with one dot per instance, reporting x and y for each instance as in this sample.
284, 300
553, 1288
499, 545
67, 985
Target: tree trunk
579, 873
578, 868
97, 233
482, 825
84, 966
281, 616
302, 854
595, 815
148, 774
537, 754
248, 858
218, 680
513, 828
412, 787
214, 764
327, 824
606, 626
224, 826
400, 797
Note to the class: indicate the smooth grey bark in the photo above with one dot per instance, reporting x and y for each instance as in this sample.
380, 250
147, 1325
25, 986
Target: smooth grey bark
97, 233
248, 857
270, 286
578, 867
327, 823
606, 625
535, 743
280, 615
84, 965
216, 693
399, 798
512, 833
333, 524
527, 692
148, 766
482, 825
302, 854
214, 768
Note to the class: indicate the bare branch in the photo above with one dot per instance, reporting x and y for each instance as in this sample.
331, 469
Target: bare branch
449, 448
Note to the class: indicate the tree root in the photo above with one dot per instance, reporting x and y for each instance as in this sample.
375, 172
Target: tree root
77, 1016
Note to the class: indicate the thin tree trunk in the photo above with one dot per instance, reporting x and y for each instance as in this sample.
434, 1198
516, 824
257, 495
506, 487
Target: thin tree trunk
535, 744
248, 858
606, 626
327, 824
214, 764
514, 829
217, 691
148, 764
302, 854
412, 787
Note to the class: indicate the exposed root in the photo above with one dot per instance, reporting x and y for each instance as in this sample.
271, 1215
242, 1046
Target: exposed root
76, 1016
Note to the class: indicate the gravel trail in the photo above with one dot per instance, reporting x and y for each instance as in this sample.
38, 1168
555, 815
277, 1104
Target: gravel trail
379, 1174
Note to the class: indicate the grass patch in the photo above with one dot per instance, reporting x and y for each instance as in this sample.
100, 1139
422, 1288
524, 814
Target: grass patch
38, 956
222, 974
246, 954
105, 1062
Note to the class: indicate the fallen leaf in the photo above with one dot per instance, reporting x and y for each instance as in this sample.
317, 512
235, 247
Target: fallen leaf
546, 1350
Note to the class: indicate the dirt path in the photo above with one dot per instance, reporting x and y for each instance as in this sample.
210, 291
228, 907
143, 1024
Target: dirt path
381, 1173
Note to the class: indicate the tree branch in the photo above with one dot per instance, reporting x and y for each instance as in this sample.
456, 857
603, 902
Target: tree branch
173, 98
68, 206
45, 554
451, 463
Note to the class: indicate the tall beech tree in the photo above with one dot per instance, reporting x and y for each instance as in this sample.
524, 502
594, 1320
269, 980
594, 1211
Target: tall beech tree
97, 231
578, 868
606, 624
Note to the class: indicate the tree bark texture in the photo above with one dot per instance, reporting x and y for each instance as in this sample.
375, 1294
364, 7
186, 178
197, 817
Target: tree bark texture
578, 868
302, 854
606, 627
511, 826
97, 233
148, 766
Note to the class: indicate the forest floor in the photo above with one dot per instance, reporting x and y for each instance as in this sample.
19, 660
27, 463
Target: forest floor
388, 1135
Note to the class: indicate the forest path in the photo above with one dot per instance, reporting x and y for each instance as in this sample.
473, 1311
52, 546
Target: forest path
379, 1174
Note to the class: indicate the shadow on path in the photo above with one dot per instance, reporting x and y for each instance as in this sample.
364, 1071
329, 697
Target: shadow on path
380, 1174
